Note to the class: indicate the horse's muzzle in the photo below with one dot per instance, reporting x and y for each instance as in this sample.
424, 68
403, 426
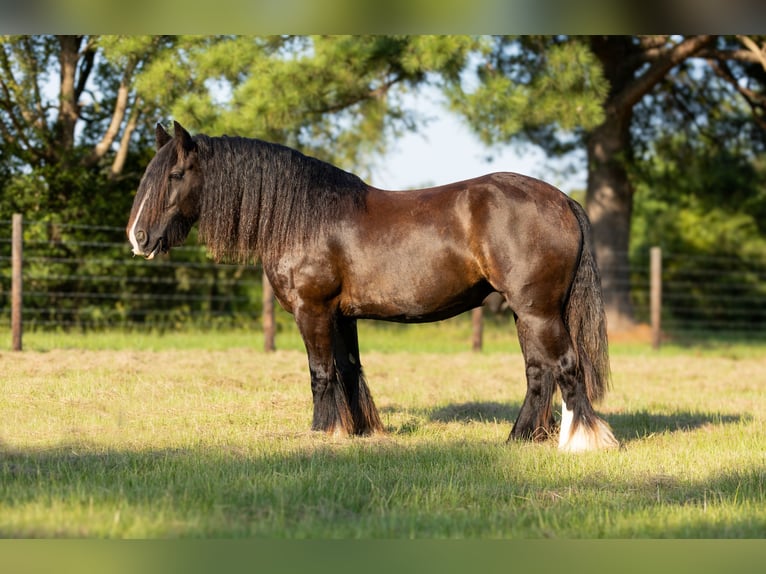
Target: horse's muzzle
140, 241
160, 246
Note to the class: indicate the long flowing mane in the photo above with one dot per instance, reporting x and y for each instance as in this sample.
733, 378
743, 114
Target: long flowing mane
260, 198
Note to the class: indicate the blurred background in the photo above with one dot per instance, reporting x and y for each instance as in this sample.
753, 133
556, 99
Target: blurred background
661, 138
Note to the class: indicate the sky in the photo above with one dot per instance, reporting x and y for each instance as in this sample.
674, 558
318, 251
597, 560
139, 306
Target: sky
445, 150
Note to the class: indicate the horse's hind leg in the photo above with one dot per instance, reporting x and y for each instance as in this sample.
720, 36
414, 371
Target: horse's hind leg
551, 359
581, 428
535, 419
349, 368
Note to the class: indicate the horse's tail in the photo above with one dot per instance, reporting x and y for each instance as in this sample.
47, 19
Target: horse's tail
585, 317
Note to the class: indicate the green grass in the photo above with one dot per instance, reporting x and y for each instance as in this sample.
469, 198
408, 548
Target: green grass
451, 336
136, 436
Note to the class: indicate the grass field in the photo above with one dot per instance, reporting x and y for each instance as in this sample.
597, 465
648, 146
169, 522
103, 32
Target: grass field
203, 435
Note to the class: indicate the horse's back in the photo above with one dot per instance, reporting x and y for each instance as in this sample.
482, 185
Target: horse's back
521, 192
514, 201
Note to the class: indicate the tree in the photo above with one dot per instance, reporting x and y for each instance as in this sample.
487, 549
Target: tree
613, 96
72, 108
68, 110
77, 117
704, 204
338, 98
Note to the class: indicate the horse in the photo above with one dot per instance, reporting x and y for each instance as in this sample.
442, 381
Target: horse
337, 250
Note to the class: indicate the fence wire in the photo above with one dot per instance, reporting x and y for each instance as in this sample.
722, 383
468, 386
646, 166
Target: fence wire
81, 276
710, 296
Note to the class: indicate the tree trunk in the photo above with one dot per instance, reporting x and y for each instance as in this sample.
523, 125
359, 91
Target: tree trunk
609, 202
609, 196
69, 106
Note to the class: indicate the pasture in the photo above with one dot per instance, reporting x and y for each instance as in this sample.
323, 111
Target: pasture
203, 435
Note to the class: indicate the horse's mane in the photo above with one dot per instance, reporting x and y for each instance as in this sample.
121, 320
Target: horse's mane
261, 198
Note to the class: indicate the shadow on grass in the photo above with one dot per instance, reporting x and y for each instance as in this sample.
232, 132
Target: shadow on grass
358, 489
627, 427
479, 411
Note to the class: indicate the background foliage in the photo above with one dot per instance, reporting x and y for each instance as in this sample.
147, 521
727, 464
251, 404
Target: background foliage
77, 116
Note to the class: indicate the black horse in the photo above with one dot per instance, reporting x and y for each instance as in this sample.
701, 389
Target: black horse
336, 250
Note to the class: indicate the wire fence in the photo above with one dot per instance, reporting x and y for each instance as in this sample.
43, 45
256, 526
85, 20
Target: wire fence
703, 295
84, 277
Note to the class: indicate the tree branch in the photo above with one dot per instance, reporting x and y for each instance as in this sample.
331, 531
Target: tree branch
371, 94
69, 109
9, 96
86, 67
653, 42
744, 56
760, 53
652, 48
37, 104
643, 84
118, 115
756, 101
122, 153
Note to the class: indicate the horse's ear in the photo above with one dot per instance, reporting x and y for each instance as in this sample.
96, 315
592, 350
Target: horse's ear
184, 141
161, 137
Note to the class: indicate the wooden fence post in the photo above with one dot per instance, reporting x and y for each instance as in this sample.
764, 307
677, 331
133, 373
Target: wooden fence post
655, 294
269, 324
477, 320
16, 279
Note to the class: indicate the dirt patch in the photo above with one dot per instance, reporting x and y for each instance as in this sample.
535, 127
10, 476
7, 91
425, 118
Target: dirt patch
641, 333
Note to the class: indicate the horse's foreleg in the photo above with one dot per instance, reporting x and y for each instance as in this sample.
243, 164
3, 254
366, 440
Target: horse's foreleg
349, 369
331, 409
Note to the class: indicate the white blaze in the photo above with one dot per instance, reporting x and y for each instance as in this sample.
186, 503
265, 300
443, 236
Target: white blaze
132, 232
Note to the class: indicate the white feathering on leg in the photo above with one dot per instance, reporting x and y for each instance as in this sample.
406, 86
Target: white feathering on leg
584, 437
566, 424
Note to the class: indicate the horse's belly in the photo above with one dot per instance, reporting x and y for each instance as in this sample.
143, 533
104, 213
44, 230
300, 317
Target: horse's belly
415, 272
408, 303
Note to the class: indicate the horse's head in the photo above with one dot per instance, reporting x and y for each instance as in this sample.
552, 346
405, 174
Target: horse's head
167, 203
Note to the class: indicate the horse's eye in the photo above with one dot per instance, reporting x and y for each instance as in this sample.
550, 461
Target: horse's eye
176, 175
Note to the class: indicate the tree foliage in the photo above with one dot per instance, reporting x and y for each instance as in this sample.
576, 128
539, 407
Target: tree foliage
616, 97
534, 87
706, 209
77, 113
335, 97
674, 126
83, 107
